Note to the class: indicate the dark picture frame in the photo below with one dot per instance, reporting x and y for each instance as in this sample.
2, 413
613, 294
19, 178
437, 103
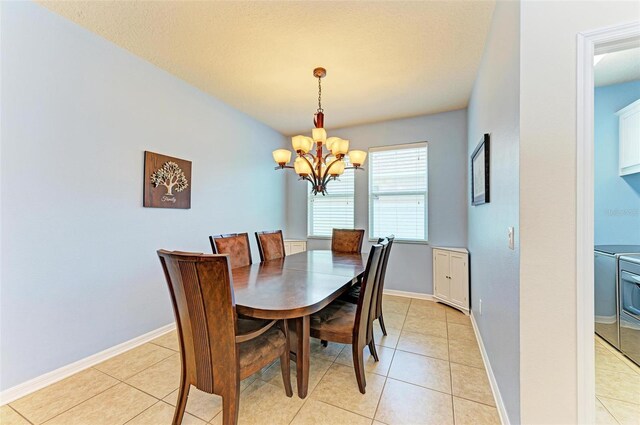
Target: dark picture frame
480, 172
167, 181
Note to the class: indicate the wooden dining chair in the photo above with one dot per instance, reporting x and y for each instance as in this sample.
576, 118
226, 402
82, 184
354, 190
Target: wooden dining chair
217, 350
270, 245
234, 244
347, 240
383, 272
348, 323
354, 293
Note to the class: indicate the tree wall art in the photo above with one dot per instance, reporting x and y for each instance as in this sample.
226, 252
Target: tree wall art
167, 181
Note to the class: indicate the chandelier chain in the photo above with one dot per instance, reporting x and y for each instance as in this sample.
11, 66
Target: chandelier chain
320, 95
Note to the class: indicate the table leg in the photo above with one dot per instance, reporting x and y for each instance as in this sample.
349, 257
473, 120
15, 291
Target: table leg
302, 352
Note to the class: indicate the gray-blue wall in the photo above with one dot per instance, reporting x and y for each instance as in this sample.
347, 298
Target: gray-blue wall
617, 199
495, 108
79, 269
446, 134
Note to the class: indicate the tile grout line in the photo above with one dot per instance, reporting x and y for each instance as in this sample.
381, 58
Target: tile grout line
308, 397
617, 399
159, 401
608, 411
19, 414
384, 385
75, 405
141, 370
334, 362
453, 410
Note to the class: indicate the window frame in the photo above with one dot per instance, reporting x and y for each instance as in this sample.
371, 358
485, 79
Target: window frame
371, 194
329, 194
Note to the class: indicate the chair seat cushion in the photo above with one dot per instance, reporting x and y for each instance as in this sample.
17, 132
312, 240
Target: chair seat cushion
260, 351
335, 321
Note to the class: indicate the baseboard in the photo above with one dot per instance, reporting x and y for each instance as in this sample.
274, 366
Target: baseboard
502, 411
417, 295
21, 390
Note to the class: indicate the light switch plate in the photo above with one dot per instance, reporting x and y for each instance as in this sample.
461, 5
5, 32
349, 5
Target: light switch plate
511, 238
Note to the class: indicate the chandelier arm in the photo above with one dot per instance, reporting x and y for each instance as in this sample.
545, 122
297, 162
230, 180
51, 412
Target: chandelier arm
314, 182
308, 162
326, 172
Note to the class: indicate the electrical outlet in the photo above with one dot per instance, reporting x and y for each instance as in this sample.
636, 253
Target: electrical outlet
511, 235
480, 307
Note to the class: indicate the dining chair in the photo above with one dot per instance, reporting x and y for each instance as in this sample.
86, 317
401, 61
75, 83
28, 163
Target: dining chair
354, 293
217, 350
348, 323
270, 245
347, 240
234, 244
383, 272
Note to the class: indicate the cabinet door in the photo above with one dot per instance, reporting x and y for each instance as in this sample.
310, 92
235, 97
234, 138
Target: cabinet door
630, 139
441, 274
459, 280
287, 248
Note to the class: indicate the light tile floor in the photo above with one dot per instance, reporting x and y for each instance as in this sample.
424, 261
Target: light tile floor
430, 372
617, 387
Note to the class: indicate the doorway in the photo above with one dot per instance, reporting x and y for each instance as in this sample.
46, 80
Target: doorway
592, 46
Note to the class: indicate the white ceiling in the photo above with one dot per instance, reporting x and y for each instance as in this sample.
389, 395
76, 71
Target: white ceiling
384, 60
618, 67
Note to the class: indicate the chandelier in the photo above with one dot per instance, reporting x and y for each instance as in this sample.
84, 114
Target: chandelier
321, 168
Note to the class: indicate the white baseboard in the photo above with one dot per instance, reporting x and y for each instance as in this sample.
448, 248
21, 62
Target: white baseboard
502, 411
21, 390
417, 295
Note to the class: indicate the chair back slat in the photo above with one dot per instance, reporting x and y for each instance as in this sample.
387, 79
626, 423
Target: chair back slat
347, 240
236, 245
202, 296
270, 245
383, 273
367, 288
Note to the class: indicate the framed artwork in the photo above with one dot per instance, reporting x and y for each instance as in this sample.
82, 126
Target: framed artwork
480, 167
167, 181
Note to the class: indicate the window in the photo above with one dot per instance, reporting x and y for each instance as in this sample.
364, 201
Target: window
333, 210
398, 192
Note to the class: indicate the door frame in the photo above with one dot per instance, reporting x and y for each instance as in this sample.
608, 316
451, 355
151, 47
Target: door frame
590, 43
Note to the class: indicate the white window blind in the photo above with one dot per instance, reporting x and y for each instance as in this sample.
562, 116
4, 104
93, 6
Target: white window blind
333, 210
398, 192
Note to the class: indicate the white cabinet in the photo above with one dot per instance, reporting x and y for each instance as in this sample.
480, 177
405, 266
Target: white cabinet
451, 276
292, 246
629, 122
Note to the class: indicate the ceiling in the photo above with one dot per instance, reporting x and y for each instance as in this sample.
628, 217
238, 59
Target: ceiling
618, 67
384, 60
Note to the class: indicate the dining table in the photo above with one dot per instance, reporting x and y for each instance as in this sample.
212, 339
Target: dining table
293, 288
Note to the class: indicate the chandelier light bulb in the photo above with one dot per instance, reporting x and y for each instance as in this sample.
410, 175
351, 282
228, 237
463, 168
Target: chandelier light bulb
282, 156
319, 135
302, 143
301, 167
330, 141
340, 147
357, 157
337, 168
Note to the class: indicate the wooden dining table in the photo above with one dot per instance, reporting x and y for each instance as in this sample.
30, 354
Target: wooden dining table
293, 288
